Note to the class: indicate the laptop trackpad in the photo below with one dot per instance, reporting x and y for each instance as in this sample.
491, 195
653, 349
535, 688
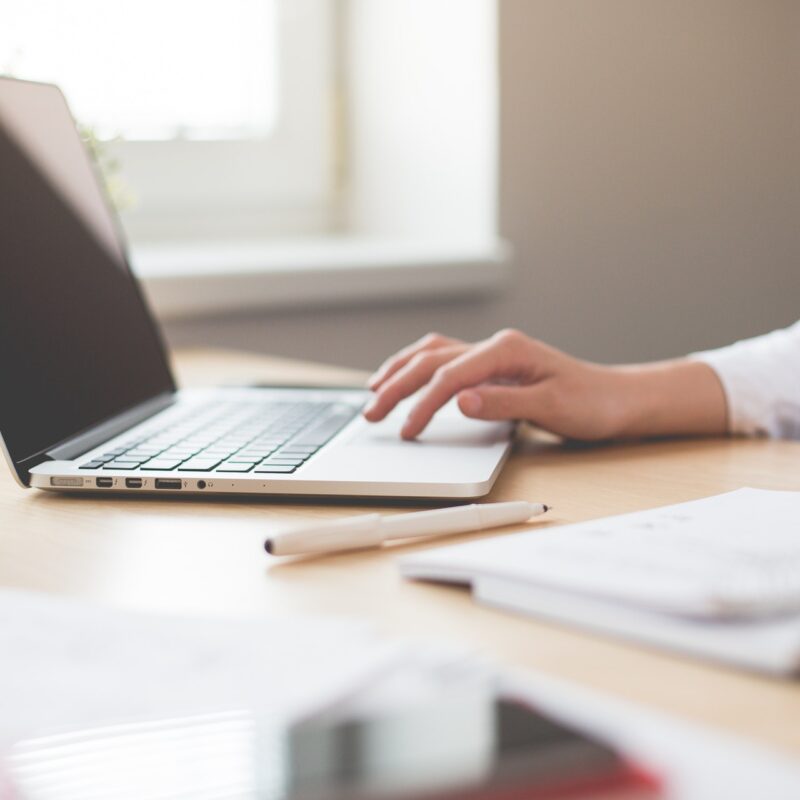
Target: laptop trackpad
453, 449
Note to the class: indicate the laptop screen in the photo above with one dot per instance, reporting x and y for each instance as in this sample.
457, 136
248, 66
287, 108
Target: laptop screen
77, 344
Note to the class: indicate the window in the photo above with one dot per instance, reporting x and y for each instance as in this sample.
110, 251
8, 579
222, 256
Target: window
286, 152
222, 107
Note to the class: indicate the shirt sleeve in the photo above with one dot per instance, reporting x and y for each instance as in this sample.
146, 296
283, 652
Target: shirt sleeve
761, 379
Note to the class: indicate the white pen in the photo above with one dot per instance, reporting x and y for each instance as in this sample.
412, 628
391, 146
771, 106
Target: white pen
371, 530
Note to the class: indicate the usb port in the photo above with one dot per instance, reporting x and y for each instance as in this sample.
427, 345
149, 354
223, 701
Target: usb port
168, 483
133, 483
104, 483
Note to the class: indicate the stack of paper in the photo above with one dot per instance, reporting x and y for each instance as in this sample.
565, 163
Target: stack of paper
718, 577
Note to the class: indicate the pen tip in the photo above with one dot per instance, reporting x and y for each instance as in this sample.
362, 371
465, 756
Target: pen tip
268, 546
546, 507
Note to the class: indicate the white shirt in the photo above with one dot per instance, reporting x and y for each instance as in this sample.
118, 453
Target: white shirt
761, 378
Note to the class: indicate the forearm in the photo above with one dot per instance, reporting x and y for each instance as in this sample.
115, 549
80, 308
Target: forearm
671, 398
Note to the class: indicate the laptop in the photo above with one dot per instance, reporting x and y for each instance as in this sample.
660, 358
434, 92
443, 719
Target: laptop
88, 401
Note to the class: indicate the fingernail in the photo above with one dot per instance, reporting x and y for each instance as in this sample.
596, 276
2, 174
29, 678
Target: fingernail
370, 407
470, 402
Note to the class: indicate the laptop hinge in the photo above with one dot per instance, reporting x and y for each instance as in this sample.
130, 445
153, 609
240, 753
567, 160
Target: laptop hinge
83, 442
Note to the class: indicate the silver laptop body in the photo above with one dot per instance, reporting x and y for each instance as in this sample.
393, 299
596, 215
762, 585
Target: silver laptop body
88, 402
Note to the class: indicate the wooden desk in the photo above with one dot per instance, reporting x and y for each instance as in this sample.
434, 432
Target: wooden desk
201, 556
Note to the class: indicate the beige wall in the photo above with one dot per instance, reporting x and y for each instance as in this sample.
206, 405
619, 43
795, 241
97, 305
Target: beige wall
650, 182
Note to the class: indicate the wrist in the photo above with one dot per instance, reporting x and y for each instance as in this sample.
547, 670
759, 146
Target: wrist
678, 397
633, 401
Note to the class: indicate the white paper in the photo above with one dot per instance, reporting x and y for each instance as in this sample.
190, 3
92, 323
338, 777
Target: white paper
718, 578
70, 665
771, 645
735, 555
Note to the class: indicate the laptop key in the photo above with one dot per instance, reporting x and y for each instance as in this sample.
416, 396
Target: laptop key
122, 465
199, 464
319, 434
302, 449
239, 466
92, 465
274, 468
138, 455
164, 464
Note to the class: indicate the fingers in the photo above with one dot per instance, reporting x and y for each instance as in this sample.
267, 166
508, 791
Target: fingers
449, 367
430, 341
506, 402
407, 379
502, 356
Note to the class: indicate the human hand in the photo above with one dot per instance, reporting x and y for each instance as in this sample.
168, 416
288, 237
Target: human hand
508, 376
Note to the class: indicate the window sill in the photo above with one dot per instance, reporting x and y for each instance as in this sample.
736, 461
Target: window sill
191, 279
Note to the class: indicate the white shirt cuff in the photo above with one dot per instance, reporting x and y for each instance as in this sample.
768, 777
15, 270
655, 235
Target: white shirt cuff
761, 379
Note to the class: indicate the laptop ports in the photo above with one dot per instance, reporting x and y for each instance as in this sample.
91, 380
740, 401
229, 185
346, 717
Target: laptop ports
104, 483
169, 483
133, 483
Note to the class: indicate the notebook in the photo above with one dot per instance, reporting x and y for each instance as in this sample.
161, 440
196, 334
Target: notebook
717, 578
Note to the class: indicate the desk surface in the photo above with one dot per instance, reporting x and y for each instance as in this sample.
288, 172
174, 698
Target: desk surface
193, 555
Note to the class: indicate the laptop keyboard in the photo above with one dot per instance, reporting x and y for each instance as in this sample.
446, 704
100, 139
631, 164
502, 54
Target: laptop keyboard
260, 437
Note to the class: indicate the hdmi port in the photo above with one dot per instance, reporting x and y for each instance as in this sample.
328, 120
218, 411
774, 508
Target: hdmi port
169, 483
